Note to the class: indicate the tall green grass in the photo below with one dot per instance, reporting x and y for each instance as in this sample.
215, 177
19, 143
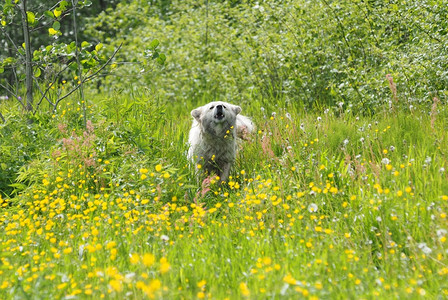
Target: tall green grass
319, 205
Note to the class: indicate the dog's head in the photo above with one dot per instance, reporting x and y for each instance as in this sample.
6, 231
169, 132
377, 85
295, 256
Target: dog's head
217, 112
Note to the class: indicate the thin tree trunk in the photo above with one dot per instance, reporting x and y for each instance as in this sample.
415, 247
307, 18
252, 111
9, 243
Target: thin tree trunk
28, 58
81, 85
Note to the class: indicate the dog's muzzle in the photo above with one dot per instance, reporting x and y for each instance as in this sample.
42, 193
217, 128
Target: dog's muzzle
219, 112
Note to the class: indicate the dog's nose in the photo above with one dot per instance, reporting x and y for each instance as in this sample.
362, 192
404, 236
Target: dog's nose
219, 108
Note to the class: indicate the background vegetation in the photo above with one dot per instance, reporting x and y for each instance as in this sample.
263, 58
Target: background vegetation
310, 53
342, 192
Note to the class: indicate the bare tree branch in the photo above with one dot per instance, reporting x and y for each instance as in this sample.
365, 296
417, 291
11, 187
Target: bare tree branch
44, 95
89, 77
13, 94
48, 88
11, 40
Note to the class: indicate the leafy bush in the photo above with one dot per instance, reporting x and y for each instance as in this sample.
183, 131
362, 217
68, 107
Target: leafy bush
22, 140
300, 52
122, 136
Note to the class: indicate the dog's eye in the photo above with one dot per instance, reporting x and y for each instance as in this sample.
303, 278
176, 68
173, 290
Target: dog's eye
212, 107
224, 106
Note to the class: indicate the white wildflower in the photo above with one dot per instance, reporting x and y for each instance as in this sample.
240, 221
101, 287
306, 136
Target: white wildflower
441, 232
312, 208
424, 248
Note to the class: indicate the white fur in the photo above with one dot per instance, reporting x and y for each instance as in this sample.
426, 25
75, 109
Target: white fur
216, 127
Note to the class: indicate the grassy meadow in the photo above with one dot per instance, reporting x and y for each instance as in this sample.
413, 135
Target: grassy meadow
320, 205
340, 193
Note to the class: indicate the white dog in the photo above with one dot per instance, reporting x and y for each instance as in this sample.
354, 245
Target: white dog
213, 136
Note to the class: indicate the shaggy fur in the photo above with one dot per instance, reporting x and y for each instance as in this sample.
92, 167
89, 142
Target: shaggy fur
212, 139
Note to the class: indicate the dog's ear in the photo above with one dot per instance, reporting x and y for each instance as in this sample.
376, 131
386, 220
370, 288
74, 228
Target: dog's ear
196, 113
236, 109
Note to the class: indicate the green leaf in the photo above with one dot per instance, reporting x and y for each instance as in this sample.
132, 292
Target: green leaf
85, 44
57, 13
18, 186
2, 70
85, 3
71, 47
98, 47
8, 60
73, 66
154, 44
37, 55
56, 25
48, 14
30, 17
63, 5
37, 72
161, 59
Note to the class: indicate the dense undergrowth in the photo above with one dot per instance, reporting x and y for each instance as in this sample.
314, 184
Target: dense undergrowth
316, 53
319, 205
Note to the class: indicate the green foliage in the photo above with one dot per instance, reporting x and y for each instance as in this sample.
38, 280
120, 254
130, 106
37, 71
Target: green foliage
26, 62
128, 133
137, 119
21, 141
311, 52
98, 200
